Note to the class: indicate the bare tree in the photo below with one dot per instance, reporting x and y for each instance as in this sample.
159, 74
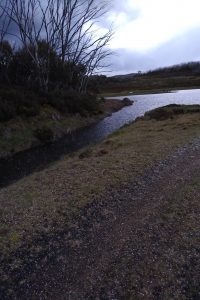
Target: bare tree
69, 27
4, 20
77, 39
25, 17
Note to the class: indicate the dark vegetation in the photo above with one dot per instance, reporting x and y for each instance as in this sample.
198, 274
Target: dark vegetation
50, 57
190, 68
20, 94
169, 111
179, 76
44, 134
51, 62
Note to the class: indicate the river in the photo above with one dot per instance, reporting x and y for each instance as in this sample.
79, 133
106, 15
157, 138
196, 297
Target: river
26, 162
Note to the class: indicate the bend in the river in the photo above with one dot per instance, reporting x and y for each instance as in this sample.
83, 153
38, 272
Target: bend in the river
26, 162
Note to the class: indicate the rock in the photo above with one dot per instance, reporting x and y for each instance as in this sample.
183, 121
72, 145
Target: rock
126, 101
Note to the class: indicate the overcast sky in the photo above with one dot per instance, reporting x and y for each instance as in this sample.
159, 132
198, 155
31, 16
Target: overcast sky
154, 33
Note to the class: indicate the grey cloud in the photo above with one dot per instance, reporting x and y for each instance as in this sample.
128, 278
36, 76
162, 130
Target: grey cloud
118, 6
184, 48
122, 6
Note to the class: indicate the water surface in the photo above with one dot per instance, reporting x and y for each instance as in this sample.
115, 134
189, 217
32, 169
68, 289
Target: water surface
26, 162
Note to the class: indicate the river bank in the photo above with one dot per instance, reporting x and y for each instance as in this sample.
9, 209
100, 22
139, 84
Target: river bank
40, 214
50, 125
149, 83
155, 91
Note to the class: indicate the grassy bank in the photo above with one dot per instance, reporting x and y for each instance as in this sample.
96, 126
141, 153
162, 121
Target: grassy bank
21, 133
144, 84
47, 201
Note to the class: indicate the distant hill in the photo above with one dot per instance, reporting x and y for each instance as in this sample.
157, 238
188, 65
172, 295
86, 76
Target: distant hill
123, 77
185, 69
186, 75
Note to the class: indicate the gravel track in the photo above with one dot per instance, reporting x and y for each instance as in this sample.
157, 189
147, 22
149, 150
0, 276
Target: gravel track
136, 242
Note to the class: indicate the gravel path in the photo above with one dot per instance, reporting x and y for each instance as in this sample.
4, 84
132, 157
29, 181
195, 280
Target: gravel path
141, 241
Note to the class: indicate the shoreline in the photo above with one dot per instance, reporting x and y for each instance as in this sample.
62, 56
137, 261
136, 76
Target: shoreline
47, 211
18, 135
144, 92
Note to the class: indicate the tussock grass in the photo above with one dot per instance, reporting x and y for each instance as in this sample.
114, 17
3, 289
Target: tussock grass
169, 111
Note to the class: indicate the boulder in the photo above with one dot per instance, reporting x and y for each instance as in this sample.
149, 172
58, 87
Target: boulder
126, 101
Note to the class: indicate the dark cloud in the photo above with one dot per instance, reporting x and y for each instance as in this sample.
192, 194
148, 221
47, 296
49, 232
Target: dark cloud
184, 48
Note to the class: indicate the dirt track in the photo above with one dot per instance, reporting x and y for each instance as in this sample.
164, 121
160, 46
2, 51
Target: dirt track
141, 241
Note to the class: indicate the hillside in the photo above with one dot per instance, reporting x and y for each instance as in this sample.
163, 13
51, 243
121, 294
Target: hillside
163, 79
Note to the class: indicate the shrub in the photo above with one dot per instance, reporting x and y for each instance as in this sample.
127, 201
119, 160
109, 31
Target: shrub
27, 106
73, 102
6, 54
173, 105
56, 100
26, 103
168, 111
44, 134
28, 111
126, 102
16, 102
89, 103
7, 111
160, 114
178, 111
194, 110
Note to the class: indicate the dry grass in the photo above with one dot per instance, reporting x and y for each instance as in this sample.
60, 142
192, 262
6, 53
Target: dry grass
49, 200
